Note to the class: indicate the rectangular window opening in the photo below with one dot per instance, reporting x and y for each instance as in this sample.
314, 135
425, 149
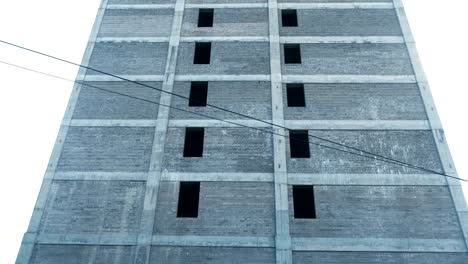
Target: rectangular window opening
299, 143
202, 53
205, 17
193, 145
292, 53
295, 94
289, 18
189, 196
198, 93
303, 200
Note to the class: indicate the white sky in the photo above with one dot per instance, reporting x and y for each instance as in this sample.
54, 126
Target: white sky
32, 106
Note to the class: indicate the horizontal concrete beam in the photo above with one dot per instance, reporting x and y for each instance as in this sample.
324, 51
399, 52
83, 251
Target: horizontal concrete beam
113, 123
107, 78
225, 39
133, 39
359, 124
217, 177
210, 77
235, 5
86, 239
216, 123
153, 6
213, 241
377, 244
349, 79
100, 176
356, 5
347, 39
366, 179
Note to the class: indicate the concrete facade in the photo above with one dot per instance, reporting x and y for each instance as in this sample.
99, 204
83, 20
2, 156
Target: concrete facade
110, 192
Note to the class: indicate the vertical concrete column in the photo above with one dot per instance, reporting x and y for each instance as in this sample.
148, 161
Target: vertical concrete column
30, 238
434, 122
282, 238
154, 176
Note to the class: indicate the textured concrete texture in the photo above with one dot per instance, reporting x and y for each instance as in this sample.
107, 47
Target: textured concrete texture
140, 2
357, 59
98, 104
226, 209
344, 22
248, 98
106, 149
411, 146
128, 58
224, 150
78, 254
228, 22
379, 258
226, 58
358, 101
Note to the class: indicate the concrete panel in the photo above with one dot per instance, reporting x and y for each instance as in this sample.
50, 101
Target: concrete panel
379, 258
360, 101
211, 255
106, 149
416, 212
344, 22
93, 207
225, 209
139, 2
97, 104
333, 1
129, 58
75, 254
233, 58
224, 1
248, 98
416, 147
228, 22
136, 23
360, 59
225, 150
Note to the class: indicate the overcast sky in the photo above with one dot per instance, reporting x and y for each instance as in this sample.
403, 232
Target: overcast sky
32, 106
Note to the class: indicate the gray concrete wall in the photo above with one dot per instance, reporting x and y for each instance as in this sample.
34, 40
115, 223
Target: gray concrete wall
93, 207
248, 98
136, 23
224, 1
334, 1
226, 58
97, 104
416, 147
358, 59
225, 150
344, 22
358, 101
228, 22
417, 212
226, 209
379, 258
76, 254
139, 2
229, 255
107, 149
129, 58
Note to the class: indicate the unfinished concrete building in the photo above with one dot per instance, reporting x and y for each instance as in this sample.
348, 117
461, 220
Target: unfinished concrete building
131, 181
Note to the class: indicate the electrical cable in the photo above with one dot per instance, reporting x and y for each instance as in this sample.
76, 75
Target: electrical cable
230, 122
209, 105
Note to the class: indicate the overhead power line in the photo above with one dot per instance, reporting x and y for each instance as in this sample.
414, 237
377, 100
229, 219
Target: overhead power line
234, 123
209, 105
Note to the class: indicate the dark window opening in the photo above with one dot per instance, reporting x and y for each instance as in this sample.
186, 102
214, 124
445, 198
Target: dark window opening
189, 196
295, 94
289, 18
193, 146
303, 200
299, 143
292, 53
205, 17
202, 53
198, 93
